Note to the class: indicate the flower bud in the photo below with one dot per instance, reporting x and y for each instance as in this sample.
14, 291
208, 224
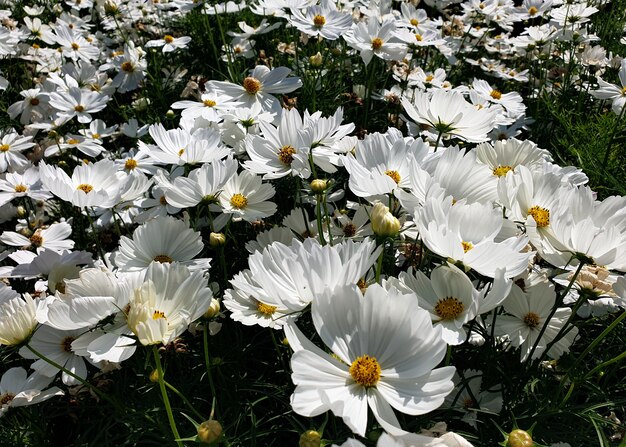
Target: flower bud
170, 114
519, 438
316, 60
319, 186
111, 8
217, 239
214, 309
209, 431
154, 376
310, 438
21, 212
384, 223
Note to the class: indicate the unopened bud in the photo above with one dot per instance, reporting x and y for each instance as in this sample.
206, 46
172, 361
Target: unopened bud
110, 7
21, 212
519, 438
170, 114
154, 376
214, 309
209, 431
316, 60
384, 223
318, 186
217, 239
310, 438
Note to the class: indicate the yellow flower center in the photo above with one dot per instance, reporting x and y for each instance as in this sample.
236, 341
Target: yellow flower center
501, 171
377, 42
163, 259
20, 188
395, 176
415, 22
85, 187
66, 343
541, 216
362, 285
75, 46
449, 308
481, 6
349, 229
467, 246
127, 67
239, 201
181, 152
209, 103
365, 371
285, 154
429, 78
79, 108
419, 37
624, 91
130, 164
532, 11
265, 309
251, 85
95, 136
531, 319
34, 102
157, 315
73, 141
163, 201
319, 21
168, 39
4, 147
36, 240
495, 94
6, 398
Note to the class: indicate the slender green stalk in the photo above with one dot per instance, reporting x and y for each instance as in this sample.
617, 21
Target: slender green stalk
556, 306
166, 400
207, 359
99, 393
320, 228
184, 399
379, 263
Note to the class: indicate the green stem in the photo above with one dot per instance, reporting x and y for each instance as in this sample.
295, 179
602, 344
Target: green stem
184, 399
379, 263
438, 140
556, 306
95, 235
99, 393
320, 229
166, 401
207, 360
327, 217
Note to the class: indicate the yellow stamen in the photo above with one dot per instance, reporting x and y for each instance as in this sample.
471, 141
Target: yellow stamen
449, 308
168, 39
395, 176
541, 216
85, 187
467, 246
4, 147
130, 164
377, 43
20, 188
319, 21
532, 11
495, 94
251, 85
127, 67
157, 315
365, 371
163, 259
209, 103
285, 154
265, 309
531, 320
501, 171
239, 201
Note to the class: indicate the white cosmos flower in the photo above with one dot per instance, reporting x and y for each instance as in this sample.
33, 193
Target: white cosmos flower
245, 196
78, 103
97, 184
163, 239
373, 38
12, 145
451, 299
258, 87
504, 156
471, 234
321, 20
450, 115
529, 310
18, 390
385, 351
169, 43
55, 237
170, 298
449, 439
17, 316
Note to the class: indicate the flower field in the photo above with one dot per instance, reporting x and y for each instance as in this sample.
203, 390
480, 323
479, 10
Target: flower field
299, 223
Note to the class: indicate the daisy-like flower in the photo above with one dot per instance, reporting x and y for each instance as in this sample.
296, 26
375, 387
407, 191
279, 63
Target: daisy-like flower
613, 92
451, 299
33, 105
27, 184
529, 310
97, 184
170, 298
73, 44
163, 239
384, 357
451, 115
210, 107
245, 196
18, 390
131, 68
376, 39
280, 151
321, 20
17, 317
504, 156
169, 43
257, 88
470, 234
11, 146
470, 398
52, 238
78, 103
201, 185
